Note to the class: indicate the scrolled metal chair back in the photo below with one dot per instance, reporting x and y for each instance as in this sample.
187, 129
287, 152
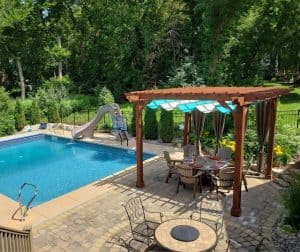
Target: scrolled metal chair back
135, 211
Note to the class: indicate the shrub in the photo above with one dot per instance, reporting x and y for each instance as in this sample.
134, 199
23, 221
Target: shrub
52, 113
291, 202
166, 126
151, 126
35, 113
105, 96
20, 121
4, 100
133, 122
7, 125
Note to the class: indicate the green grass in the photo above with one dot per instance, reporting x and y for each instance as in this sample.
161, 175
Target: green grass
289, 102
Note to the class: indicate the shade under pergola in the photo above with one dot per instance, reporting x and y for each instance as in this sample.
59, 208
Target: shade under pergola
241, 97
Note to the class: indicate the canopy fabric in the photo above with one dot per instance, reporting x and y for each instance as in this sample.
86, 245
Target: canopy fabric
262, 128
186, 106
198, 120
218, 123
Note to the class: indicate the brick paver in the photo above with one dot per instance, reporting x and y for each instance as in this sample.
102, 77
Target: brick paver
96, 224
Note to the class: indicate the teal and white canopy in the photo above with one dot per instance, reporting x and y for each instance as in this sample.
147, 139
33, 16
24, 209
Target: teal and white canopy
205, 106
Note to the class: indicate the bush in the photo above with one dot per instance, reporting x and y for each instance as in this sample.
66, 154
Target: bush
53, 115
133, 122
166, 126
291, 201
35, 113
7, 125
20, 121
151, 126
105, 96
4, 100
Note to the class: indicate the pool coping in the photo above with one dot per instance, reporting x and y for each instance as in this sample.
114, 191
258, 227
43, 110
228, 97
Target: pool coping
60, 204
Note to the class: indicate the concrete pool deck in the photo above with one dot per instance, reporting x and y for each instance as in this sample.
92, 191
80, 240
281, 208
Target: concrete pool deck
91, 218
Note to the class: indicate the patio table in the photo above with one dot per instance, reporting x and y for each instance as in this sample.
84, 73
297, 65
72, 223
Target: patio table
186, 235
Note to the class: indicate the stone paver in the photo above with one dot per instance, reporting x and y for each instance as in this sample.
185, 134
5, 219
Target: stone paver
97, 224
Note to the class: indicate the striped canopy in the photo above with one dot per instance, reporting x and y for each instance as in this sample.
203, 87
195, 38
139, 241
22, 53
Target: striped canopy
205, 106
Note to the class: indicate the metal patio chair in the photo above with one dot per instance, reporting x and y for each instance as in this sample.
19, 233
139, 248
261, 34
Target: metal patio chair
225, 153
171, 163
223, 180
211, 211
188, 151
185, 176
141, 223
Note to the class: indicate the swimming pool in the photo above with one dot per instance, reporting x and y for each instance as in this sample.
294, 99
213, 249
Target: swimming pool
57, 165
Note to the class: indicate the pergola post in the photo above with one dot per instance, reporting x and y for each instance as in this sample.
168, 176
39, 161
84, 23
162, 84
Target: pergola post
273, 112
187, 128
139, 144
240, 126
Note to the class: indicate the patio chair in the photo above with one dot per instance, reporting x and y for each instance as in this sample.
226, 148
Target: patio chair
225, 153
223, 180
141, 224
185, 176
211, 211
171, 165
188, 151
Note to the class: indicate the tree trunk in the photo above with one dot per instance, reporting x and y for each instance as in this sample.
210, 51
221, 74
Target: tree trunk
21, 76
60, 62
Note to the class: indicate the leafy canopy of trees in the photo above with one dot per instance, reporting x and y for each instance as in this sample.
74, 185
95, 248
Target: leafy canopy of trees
132, 45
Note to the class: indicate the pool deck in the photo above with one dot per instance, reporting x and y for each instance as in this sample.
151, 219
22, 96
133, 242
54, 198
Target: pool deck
91, 218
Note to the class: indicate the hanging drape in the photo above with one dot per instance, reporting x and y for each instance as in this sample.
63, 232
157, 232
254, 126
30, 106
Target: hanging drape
198, 121
262, 128
218, 124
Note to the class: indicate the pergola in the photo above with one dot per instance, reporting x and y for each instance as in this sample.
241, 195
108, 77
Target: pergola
242, 97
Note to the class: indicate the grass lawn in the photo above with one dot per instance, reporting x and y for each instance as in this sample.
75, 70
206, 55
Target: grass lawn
289, 102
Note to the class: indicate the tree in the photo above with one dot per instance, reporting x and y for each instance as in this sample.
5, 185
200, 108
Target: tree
105, 96
166, 128
20, 120
35, 113
151, 126
52, 113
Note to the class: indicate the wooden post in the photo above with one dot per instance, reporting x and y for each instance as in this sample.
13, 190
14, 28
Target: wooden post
139, 144
240, 126
273, 112
187, 127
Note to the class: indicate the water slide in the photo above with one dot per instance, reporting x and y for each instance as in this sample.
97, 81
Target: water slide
119, 124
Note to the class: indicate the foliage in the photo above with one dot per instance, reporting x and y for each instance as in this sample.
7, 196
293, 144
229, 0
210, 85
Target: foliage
187, 74
133, 122
166, 130
7, 125
105, 96
7, 122
291, 199
229, 144
35, 113
52, 112
20, 120
151, 125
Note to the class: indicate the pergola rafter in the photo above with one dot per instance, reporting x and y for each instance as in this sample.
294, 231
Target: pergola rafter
241, 96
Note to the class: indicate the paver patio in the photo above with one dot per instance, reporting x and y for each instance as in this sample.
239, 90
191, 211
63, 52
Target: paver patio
95, 224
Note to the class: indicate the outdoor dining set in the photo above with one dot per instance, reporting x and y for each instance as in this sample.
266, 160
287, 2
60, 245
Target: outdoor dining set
217, 171
204, 227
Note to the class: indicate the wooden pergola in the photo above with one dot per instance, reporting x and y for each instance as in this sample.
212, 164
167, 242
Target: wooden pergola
241, 96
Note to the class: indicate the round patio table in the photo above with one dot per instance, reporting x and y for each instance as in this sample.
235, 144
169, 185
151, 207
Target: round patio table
191, 235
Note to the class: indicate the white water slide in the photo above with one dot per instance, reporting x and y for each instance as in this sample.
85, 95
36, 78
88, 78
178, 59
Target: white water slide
119, 124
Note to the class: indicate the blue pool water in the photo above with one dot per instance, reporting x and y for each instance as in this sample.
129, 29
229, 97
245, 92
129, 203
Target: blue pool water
56, 165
